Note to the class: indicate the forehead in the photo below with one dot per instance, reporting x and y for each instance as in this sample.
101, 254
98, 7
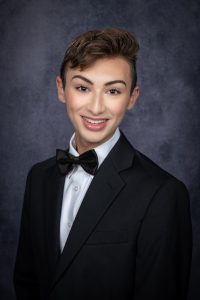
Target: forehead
110, 68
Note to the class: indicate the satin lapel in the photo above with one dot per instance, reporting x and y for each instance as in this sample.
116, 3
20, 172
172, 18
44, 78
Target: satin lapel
101, 193
53, 200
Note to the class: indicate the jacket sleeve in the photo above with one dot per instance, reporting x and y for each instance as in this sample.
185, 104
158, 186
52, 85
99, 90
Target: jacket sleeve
165, 246
25, 279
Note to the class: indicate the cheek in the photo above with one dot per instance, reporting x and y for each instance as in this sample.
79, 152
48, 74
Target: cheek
118, 108
71, 106
72, 103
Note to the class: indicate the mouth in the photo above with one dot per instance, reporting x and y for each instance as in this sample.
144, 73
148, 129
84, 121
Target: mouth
94, 121
96, 124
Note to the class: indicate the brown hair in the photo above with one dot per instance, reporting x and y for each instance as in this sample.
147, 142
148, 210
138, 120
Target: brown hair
92, 45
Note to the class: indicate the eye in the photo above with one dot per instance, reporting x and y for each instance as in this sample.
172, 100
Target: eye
82, 88
114, 92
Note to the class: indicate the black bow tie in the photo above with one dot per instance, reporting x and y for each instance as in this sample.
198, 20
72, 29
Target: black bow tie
66, 161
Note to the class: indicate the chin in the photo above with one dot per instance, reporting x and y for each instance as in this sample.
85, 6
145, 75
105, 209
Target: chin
94, 141
94, 138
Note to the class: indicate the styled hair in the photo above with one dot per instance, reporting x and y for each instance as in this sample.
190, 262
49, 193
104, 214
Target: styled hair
85, 49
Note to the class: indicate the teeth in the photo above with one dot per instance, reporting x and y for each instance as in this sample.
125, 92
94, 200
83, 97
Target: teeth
94, 121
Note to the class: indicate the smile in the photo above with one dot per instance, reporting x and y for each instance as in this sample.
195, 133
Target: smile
94, 124
92, 121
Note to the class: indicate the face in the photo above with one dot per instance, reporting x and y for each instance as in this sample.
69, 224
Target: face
96, 100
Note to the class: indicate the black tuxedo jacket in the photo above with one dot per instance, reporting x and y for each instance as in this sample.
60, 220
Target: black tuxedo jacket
131, 238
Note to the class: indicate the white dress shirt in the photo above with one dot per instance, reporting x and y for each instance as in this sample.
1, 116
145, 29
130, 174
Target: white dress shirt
76, 185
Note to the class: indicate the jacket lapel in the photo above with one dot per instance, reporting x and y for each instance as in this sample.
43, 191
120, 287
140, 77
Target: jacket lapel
102, 192
53, 202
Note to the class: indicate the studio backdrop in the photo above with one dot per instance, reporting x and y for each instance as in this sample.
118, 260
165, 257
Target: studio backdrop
164, 124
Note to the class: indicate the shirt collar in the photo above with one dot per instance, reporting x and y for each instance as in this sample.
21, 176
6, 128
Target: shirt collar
102, 150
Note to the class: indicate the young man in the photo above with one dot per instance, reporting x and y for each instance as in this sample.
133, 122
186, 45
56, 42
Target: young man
100, 220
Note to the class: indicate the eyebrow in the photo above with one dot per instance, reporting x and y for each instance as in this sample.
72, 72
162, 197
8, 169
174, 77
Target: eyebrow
106, 84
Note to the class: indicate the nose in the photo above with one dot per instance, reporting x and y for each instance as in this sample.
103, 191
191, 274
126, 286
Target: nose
96, 105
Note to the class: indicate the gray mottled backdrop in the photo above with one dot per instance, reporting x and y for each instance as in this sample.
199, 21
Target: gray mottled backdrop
164, 124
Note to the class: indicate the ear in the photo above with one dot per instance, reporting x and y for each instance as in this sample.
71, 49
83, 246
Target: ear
60, 89
133, 98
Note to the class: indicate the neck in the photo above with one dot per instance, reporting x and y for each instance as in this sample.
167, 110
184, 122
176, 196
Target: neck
81, 148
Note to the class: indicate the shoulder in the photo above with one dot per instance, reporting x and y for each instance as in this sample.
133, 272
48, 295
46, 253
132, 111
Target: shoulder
151, 168
157, 173
158, 189
150, 172
42, 167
